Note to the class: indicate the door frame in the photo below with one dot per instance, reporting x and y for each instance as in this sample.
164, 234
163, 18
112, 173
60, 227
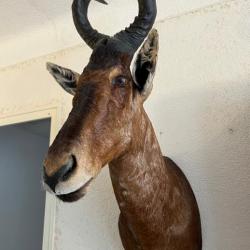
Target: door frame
50, 200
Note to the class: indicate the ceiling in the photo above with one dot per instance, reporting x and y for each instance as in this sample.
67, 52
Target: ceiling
31, 28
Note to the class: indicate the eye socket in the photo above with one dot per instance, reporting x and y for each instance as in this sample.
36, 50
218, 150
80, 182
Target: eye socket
120, 81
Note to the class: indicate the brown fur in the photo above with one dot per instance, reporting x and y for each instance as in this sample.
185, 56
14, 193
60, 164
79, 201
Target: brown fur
158, 207
108, 124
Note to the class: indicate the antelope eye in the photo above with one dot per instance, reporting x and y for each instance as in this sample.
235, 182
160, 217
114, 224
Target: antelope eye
120, 81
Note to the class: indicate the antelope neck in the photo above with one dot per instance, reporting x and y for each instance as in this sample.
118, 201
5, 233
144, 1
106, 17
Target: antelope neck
139, 178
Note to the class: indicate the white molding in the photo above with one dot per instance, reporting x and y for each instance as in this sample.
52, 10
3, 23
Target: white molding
50, 203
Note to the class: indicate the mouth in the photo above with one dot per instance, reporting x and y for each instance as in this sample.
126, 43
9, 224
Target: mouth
76, 195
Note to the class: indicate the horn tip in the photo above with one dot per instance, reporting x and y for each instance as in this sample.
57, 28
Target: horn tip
102, 1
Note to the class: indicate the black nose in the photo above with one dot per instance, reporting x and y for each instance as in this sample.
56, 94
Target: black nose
62, 174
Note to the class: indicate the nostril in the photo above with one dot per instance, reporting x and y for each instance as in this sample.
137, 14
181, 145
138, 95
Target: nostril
68, 169
63, 174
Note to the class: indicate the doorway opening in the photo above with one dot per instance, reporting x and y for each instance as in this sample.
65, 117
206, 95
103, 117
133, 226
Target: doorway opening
23, 200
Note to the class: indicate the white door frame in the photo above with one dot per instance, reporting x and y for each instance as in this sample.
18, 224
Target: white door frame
50, 202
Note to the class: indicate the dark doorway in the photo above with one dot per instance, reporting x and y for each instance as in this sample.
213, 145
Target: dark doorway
22, 199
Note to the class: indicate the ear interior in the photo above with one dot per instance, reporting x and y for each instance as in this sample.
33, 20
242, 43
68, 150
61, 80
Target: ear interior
145, 63
142, 72
65, 77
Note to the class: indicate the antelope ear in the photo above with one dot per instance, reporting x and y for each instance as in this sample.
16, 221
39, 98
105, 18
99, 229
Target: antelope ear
65, 77
145, 64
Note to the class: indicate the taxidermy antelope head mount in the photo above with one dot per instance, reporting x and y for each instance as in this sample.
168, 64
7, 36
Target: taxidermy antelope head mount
108, 124
108, 100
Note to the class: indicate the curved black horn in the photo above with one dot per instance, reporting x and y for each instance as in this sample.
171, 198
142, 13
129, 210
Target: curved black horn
135, 34
84, 28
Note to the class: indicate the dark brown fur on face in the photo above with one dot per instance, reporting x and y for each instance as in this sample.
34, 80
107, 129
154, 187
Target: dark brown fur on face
108, 125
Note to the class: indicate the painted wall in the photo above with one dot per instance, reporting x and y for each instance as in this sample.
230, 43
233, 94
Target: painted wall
47, 26
201, 113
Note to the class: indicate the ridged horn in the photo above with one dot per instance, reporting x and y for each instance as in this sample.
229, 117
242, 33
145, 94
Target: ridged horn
143, 23
131, 37
82, 24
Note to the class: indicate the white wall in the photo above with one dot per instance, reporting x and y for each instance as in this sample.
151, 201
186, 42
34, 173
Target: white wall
41, 27
201, 112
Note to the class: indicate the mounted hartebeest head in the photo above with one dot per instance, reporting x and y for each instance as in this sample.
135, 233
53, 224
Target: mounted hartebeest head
108, 99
